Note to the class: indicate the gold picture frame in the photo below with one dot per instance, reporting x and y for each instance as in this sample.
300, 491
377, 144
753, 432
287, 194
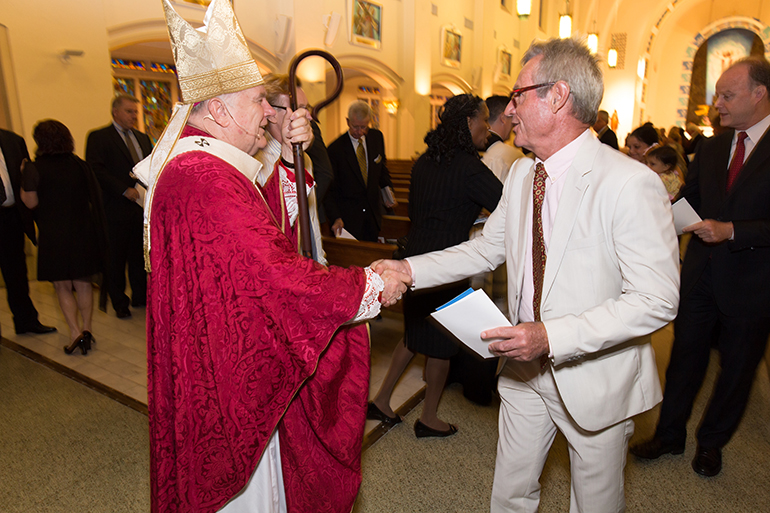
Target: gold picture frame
505, 63
365, 23
451, 46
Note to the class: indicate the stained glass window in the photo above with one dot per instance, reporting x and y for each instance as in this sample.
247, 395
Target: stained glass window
123, 85
162, 68
128, 64
156, 102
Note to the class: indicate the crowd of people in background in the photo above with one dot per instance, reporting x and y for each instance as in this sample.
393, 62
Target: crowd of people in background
592, 301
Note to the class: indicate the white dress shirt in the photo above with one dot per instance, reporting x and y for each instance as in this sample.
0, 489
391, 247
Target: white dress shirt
754, 134
6, 176
556, 167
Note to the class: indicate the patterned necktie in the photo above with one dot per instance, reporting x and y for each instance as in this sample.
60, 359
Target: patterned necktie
130, 144
737, 163
361, 156
538, 246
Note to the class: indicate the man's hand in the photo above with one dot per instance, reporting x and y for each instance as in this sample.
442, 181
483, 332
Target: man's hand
710, 231
526, 342
296, 129
401, 266
337, 227
131, 194
395, 286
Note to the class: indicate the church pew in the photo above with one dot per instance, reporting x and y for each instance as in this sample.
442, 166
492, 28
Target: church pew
394, 227
347, 252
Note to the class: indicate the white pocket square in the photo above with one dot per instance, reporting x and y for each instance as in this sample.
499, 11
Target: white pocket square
378, 159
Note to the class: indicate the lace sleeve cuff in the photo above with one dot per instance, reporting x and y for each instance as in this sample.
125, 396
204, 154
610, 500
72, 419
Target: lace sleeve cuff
370, 303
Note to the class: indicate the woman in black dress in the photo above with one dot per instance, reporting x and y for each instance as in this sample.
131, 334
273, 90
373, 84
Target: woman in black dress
449, 187
62, 190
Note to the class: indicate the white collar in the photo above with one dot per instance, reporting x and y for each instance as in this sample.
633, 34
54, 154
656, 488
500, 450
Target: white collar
755, 132
558, 163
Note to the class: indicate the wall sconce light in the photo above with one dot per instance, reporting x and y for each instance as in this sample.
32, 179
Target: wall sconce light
641, 67
391, 106
593, 42
65, 55
332, 25
612, 58
565, 24
523, 8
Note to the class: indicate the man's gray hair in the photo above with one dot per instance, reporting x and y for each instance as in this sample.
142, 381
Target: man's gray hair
359, 109
202, 106
571, 61
123, 97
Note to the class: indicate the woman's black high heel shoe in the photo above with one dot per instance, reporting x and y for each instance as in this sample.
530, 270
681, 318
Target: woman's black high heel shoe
89, 339
80, 342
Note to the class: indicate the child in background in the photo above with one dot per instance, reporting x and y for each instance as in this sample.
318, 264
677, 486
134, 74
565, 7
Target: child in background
665, 161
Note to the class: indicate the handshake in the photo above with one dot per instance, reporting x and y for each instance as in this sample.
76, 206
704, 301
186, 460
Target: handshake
397, 275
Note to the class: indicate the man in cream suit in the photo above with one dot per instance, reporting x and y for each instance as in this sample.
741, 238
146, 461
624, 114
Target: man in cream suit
579, 358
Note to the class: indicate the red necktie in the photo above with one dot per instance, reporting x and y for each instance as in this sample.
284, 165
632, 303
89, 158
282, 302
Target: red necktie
737, 163
538, 246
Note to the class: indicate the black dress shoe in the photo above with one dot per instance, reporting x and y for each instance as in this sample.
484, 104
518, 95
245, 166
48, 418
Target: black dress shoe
707, 461
655, 448
35, 328
374, 413
123, 313
423, 431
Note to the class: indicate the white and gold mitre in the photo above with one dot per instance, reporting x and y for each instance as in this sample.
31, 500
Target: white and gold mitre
213, 59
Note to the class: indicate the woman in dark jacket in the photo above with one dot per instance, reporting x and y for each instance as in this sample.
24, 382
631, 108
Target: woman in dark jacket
449, 187
63, 191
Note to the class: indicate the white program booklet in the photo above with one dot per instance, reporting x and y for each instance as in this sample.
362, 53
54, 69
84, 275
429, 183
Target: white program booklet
684, 215
467, 315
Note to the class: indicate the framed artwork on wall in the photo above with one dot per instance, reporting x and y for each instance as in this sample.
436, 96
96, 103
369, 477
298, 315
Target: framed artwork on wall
504, 63
451, 46
365, 26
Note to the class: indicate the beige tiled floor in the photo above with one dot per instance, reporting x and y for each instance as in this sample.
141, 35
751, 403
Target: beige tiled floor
118, 359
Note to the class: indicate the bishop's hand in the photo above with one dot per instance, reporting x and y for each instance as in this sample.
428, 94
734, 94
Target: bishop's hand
296, 128
395, 285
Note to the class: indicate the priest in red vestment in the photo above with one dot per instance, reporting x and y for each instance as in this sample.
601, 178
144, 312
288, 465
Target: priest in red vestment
258, 372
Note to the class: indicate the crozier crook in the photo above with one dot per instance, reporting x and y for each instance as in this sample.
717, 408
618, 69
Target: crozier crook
299, 153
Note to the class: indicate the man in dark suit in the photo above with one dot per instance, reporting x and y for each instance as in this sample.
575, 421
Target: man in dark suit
354, 200
15, 221
725, 295
603, 130
112, 152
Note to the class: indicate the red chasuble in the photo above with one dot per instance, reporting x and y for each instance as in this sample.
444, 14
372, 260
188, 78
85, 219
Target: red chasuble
245, 336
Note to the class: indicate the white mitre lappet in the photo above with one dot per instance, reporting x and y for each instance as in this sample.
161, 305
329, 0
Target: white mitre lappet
211, 60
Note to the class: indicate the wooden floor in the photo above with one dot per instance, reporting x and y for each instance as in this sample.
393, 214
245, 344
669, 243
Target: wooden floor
117, 364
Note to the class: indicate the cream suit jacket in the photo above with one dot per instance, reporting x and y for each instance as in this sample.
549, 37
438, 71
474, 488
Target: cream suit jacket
611, 278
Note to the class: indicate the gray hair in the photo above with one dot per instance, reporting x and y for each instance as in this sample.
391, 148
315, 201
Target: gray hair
359, 109
202, 106
571, 61
123, 97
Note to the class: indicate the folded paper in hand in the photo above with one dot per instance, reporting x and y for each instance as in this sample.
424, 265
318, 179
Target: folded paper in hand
467, 315
684, 215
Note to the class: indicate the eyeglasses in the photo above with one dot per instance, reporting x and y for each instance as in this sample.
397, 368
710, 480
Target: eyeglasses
281, 107
518, 92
